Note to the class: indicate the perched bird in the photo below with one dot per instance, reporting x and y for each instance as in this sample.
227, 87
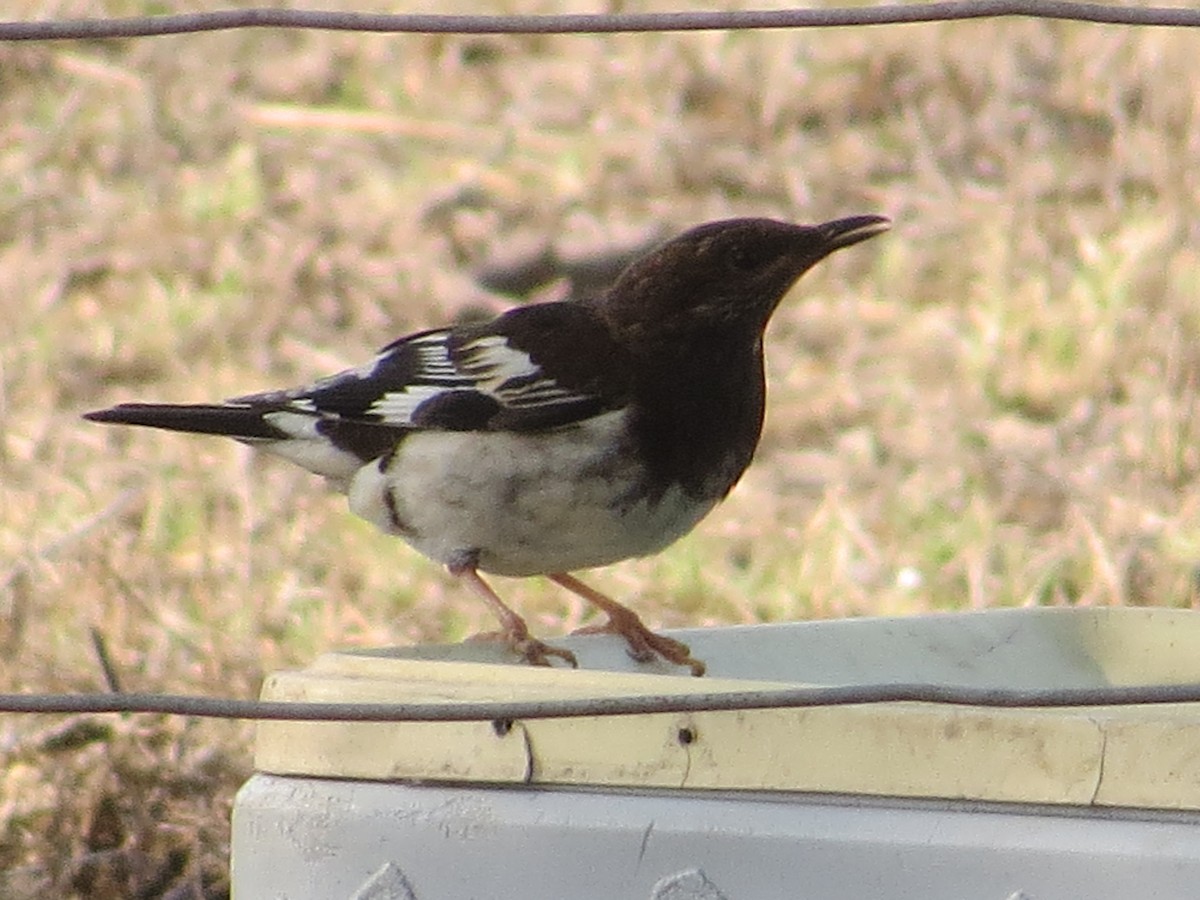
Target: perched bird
558, 436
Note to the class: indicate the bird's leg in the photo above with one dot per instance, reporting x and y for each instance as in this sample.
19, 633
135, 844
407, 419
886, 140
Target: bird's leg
513, 630
643, 643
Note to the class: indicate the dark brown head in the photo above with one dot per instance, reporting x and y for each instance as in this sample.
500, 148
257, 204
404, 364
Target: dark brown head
723, 274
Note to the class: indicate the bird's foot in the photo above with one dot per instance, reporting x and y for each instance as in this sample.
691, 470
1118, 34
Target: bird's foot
529, 648
644, 644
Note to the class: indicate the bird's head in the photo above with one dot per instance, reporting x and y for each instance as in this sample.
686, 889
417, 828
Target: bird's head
727, 274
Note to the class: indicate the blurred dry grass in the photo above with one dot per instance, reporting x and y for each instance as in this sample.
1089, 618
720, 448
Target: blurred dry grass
993, 405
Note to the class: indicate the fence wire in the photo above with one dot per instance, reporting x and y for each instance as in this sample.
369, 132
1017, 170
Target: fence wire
596, 23
483, 711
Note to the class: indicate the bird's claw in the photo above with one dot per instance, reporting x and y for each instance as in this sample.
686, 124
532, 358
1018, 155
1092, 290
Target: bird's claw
645, 645
529, 648
538, 653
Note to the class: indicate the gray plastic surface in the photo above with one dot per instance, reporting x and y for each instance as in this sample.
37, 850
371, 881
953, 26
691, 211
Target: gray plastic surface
324, 839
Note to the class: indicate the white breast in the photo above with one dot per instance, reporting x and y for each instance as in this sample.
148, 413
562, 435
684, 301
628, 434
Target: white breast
526, 504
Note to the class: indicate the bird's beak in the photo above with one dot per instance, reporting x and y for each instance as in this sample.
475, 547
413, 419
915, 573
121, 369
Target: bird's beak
844, 232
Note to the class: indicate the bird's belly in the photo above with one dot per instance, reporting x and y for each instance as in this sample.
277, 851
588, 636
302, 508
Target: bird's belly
524, 504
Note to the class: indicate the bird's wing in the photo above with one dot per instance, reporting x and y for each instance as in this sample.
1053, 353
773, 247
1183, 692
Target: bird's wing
534, 368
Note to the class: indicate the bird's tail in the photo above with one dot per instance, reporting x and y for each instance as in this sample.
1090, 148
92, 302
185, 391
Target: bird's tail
329, 446
233, 420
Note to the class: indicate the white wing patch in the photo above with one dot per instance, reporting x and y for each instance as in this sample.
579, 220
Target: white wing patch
398, 407
436, 373
435, 361
486, 364
490, 362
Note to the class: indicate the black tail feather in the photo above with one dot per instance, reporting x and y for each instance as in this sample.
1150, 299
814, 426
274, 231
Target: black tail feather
229, 420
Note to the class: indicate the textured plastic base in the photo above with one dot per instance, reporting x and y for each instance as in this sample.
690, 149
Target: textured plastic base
313, 839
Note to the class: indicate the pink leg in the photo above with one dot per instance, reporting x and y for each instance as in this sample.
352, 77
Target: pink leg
643, 643
513, 630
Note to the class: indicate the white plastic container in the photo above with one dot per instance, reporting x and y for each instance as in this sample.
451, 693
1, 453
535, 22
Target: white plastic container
897, 800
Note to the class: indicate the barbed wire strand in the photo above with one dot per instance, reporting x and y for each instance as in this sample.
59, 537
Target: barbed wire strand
593, 23
487, 710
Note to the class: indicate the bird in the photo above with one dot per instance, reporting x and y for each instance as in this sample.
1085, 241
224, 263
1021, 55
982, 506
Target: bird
558, 436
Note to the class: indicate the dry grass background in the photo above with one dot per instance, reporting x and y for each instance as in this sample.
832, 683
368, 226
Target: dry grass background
993, 405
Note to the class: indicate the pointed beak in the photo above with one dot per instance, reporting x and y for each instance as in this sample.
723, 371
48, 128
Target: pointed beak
844, 232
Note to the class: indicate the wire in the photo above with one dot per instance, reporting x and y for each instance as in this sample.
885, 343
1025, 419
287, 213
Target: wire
220, 20
488, 710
